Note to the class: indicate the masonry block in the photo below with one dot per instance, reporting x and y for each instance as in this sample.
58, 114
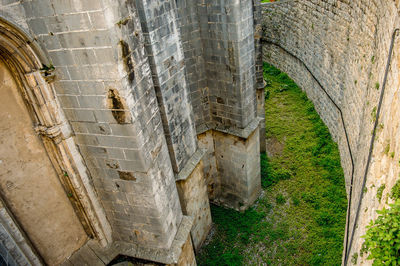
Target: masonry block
193, 196
238, 162
233, 180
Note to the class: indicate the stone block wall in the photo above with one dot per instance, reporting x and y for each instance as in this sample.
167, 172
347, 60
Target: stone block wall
139, 83
345, 45
104, 86
192, 44
228, 36
166, 57
193, 196
238, 157
220, 50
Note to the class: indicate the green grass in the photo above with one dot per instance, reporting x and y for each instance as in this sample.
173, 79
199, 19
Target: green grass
300, 220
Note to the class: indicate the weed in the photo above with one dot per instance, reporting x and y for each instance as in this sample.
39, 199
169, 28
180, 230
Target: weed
295, 200
382, 240
377, 85
387, 149
354, 258
373, 114
379, 192
395, 192
47, 71
266, 96
280, 199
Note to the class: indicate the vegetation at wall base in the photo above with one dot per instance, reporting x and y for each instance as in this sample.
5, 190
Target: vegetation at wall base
395, 192
382, 239
300, 217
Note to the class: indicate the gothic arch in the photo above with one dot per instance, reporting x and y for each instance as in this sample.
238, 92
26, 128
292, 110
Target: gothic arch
34, 78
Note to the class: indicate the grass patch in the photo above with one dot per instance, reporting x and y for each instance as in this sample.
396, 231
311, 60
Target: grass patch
280, 199
304, 227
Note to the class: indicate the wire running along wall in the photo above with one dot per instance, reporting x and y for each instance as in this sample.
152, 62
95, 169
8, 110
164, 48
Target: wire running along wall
348, 243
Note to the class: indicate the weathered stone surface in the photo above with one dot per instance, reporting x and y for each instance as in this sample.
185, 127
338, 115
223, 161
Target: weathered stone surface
193, 196
233, 175
179, 253
29, 184
136, 82
14, 247
166, 58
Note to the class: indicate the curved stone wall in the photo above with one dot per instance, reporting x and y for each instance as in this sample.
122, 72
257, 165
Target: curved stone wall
343, 46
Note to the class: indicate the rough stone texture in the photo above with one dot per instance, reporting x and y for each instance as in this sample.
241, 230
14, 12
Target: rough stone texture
261, 115
179, 251
29, 183
14, 247
257, 15
112, 107
233, 169
218, 40
187, 257
166, 57
228, 38
211, 176
193, 196
137, 81
345, 44
240, 178
220, 47
192, 44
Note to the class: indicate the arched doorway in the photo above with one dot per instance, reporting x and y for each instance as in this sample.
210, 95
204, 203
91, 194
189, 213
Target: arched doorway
45, 191
29, 183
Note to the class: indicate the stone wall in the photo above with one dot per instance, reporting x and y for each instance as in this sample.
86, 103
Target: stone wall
192, 44
193, 196
29, 183
345, 45
220, 50
105, 88
138, 82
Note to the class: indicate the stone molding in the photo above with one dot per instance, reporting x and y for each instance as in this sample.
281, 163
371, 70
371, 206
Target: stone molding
191, 165
18, 245
243, 133
21, 55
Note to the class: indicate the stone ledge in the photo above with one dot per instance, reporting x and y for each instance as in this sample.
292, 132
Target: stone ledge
191, 164
93, 254
276, 2
238, 132
262, 87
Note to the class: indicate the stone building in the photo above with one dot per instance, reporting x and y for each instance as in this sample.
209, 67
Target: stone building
120, 120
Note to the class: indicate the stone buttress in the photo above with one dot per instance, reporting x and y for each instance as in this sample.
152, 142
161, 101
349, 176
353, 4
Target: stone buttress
160, 99
219, 48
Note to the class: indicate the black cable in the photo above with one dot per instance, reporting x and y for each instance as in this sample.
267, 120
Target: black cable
371, 147
347, 245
